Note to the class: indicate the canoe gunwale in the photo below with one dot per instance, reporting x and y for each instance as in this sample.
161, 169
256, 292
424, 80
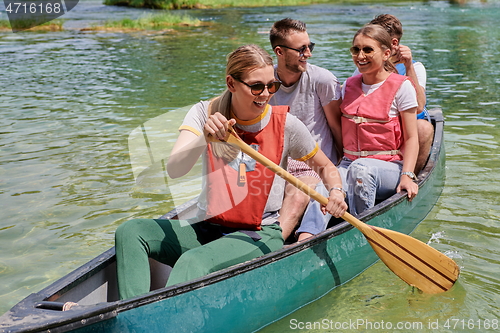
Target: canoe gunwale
291, 249
57, 321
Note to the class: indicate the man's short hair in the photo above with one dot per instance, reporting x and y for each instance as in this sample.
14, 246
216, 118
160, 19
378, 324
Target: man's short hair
283, 28
391, 24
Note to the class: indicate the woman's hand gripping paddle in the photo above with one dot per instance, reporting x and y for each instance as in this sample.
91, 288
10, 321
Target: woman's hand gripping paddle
413, 261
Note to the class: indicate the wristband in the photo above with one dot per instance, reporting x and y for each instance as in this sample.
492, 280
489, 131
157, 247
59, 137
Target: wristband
409, 174
338, 189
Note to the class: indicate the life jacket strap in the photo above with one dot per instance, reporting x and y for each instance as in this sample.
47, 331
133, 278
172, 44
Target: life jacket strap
359, 120
365, 153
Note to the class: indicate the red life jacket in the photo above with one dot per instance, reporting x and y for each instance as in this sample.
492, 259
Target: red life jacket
367, 129
237, 198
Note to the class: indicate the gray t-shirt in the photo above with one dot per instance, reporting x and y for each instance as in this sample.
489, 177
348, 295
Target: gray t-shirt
298, 144
316, 88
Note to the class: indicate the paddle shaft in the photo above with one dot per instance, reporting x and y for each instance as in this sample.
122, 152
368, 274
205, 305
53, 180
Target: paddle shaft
234, 140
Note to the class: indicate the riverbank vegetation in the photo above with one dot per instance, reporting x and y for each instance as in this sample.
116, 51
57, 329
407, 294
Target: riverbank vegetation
149, 21
54, 25
156, 21
178, 4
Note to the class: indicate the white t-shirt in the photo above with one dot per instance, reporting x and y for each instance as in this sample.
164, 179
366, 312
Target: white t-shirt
406, 97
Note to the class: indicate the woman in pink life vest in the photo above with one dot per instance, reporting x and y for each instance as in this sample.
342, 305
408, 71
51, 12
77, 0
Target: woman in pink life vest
379, 129
240, 199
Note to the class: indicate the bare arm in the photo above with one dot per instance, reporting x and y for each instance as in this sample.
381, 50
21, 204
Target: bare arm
332, 114
331, 178
410, 151
187, 149
189, 146
405, 56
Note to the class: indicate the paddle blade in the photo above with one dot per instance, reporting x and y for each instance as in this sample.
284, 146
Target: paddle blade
413, 261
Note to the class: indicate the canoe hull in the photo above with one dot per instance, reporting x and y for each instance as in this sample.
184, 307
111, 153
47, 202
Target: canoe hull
245, 297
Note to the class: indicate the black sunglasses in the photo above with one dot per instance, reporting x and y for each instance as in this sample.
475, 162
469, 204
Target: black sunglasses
258, 88
302, 50
367, 50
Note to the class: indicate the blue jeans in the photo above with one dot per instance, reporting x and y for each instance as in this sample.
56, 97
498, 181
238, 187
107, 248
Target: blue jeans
313, 220
367, 180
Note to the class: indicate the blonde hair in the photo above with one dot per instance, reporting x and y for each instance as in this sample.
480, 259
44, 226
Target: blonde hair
239, 62
379, 34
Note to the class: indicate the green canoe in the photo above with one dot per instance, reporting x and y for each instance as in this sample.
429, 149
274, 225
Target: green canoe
241, 298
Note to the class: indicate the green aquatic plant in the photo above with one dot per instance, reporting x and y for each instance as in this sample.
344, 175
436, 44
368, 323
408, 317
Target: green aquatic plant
156, 4
54, 25
178, 4
153, 21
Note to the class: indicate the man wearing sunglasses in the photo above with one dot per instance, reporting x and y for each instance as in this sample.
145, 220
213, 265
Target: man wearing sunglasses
402, 59
313, 94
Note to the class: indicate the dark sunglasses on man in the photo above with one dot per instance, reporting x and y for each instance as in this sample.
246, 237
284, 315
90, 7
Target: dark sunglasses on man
302, 50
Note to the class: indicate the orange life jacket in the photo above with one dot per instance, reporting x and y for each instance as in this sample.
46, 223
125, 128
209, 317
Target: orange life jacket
367, 129
237, 192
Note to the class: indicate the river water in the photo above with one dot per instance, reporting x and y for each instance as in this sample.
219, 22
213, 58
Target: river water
70, 100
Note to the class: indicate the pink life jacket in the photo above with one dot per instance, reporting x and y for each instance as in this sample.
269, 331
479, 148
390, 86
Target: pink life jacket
237, 198
367, 129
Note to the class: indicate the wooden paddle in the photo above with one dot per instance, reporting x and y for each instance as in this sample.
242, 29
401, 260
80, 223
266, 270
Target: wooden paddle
413, 261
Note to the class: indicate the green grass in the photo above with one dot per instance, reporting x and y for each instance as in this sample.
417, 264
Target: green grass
156, 4
176, 4
147, 21
153, 21
54, 25
4, 24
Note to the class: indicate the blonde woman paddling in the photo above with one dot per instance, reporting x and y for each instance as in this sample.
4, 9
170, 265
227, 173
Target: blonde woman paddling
240, 198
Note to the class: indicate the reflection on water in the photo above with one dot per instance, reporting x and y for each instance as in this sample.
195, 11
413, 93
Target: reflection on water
71, 101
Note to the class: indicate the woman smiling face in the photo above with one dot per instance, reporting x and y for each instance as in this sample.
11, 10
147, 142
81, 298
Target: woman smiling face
244, 104
369, 63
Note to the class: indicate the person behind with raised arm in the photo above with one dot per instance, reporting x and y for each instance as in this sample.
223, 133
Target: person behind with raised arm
313, 94
415, 70
240, 197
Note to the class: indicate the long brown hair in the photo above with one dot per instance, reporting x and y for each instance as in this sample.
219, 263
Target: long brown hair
379, 34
